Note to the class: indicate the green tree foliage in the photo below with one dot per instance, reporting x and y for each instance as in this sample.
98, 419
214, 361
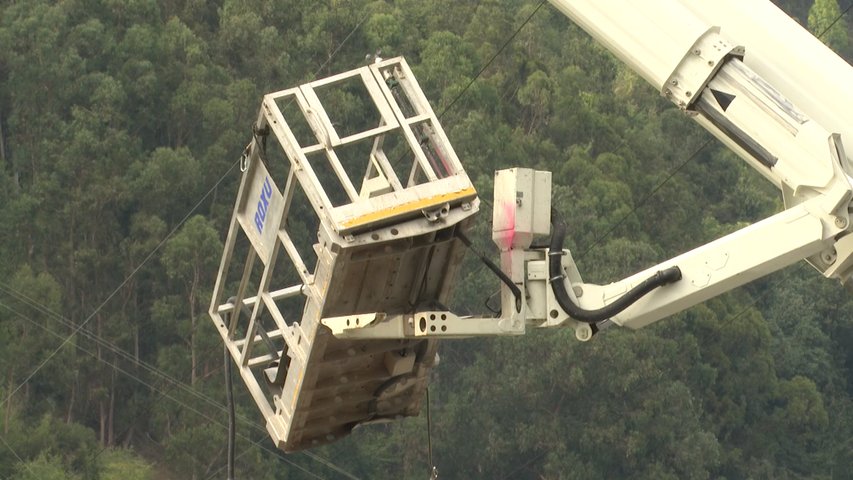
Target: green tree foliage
119, 464
43, 468
825, 20
116, 117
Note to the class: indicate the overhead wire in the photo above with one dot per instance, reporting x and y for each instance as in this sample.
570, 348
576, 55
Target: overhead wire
832, 24
433, 470
79, 328
524, 465
22, 297
153, 388
164, 377
328, 60
122, 353
465, 89
148, 257
492, 59
646, 198
20, 460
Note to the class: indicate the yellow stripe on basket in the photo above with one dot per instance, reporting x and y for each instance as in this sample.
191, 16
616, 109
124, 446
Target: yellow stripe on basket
408, 207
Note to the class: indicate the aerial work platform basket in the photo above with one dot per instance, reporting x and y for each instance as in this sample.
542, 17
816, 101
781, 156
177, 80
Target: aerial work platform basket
349, 204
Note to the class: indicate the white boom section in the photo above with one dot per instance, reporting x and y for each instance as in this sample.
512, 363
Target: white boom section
788, 57
680, 46
770, 91
719, 266
652, 37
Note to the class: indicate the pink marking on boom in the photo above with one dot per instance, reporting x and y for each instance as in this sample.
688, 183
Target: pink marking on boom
509, 213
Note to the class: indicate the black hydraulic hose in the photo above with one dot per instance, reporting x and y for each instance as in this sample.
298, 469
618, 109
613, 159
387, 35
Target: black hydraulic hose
232, 424
660, 278
495, 269
229, 396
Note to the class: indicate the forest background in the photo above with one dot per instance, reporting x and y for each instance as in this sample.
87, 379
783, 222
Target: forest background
120, 126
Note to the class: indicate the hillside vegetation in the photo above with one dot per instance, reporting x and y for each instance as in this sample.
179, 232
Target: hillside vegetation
121, 123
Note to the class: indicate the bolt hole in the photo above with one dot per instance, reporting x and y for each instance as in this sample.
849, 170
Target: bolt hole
394, 231
357, 321
554, 313
348, 322
444, 328
422, 324
375, 236
443, 317
432, 316
432, 328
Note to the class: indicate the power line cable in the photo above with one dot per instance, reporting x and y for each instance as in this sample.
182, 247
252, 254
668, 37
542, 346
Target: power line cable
835, 21
121, 285
155, 250
154, 388
492, 59
20, 296
215, 473
232, 423
477, 76
150, 255
433, 471
20, 460
164, 377
524, 465
152, 369
645, 199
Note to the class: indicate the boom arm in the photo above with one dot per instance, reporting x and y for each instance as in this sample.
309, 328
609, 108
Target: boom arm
699, 56
369, 292
685, 50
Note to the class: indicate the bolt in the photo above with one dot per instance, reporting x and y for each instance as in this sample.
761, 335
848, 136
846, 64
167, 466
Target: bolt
578, 291
710, 63
840, 222
688, 93
673, 82
697, 52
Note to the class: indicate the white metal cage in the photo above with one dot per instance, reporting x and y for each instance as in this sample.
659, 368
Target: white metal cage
385, 244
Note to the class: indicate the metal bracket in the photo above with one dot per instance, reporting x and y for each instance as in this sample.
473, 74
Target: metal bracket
697, 67
425, 324
436, 214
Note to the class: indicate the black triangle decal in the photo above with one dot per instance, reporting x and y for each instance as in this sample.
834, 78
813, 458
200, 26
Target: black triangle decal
723, 98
